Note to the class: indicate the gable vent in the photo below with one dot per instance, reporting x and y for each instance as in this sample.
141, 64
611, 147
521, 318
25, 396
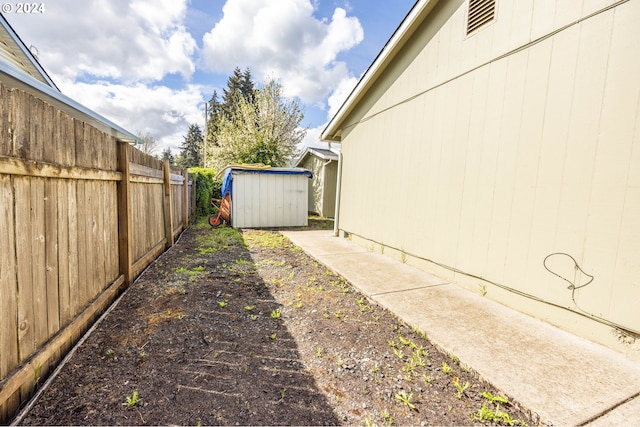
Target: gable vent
480, 13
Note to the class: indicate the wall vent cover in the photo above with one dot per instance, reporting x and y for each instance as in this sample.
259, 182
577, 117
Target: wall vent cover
481, 12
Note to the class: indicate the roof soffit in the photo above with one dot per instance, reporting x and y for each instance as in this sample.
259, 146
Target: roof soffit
415, 17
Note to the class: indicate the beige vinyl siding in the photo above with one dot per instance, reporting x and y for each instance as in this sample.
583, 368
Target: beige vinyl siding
314, 164
487, 162
322, 187
330, 179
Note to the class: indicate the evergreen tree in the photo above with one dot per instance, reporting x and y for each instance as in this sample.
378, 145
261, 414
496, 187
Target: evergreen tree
191, 149
214, 109
168, 155
239, 85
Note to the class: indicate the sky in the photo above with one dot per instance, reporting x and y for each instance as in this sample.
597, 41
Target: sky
150, 65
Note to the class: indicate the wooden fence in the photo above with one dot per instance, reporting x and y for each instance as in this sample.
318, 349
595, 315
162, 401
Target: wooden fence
81, 215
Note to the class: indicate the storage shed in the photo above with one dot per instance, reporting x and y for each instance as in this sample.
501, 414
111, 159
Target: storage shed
273, 197
322, 187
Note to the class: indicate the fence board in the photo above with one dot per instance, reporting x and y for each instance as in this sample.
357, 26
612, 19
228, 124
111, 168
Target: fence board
110, 232
64, 285
67, 139
8, 285
100, 237
51, 256
6, 147
35, 121
20, 113
26, 331
74, 260
82, 146
82, 246
39, 290
87, 214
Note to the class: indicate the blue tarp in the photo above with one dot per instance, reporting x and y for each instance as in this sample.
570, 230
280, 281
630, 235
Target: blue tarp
228, 175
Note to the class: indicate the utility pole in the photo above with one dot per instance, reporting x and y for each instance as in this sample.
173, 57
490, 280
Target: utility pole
204, 138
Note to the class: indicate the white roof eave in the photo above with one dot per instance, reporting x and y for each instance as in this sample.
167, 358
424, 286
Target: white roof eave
16, 79
332, 132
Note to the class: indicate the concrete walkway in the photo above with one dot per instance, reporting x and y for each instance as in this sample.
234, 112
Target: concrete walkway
564, 379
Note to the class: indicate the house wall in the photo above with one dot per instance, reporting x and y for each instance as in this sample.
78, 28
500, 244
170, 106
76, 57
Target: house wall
477, 157
314, 164
322, 187
329, 193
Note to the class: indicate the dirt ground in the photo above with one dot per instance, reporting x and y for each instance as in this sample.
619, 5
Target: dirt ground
243, 328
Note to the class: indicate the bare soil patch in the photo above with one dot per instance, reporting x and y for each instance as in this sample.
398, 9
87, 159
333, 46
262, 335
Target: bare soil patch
243, 328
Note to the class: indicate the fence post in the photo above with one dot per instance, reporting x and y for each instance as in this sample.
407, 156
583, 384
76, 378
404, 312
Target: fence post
185, 199
168, 214
124, 213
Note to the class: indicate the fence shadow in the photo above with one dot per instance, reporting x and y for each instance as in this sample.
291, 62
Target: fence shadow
195, 338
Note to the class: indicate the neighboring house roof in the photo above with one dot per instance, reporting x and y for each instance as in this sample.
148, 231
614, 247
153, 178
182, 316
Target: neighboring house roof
20, 69
322, 153
15, 52
417, 14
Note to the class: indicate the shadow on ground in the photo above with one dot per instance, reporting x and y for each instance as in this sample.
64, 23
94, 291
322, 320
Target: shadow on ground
198, 339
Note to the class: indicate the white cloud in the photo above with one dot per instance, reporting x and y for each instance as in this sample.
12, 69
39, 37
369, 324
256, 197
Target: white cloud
132, 40
340, 94
282, 39
163, 112
112, 56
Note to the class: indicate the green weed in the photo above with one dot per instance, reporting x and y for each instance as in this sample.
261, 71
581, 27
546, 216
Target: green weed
387, 417
454, 358
483, 289
133, 400
461, 388
36, 373
265, 240
406, 399
218, 239
275, 314
495, 415
399, 353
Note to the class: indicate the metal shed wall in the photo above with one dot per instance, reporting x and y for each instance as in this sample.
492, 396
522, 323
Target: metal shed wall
260, 199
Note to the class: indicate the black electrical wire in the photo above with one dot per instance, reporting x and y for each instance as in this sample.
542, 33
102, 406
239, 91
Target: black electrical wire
579, 311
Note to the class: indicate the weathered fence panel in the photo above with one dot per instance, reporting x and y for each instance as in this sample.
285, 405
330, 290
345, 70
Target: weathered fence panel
81, 215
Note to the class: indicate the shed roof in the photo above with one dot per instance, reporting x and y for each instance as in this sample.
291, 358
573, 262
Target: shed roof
408, 26
20, 69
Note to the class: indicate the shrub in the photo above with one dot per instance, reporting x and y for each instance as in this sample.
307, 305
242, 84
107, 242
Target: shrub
207, 186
